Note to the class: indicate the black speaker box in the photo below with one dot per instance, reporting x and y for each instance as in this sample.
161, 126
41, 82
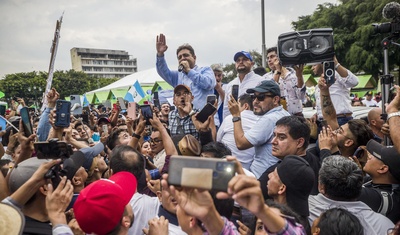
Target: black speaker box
307, 46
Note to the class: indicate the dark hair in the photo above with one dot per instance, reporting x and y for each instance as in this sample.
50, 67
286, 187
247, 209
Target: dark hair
339, 221
187, 47
246, 99
4, 162
112, 140
271, 49
121, 162
260, 71
298, 128
219, 149
361, 131
341, 177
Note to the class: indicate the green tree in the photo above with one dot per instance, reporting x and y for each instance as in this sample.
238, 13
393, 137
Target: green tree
65, 82
356, 45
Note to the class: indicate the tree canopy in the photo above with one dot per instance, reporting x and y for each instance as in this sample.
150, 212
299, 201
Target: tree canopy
65, 82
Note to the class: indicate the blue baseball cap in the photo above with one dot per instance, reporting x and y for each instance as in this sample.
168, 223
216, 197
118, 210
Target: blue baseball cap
242, 53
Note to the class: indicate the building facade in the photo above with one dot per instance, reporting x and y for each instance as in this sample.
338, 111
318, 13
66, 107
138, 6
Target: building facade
102, 62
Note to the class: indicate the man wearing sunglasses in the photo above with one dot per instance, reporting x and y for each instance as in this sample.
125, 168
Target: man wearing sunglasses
266, 104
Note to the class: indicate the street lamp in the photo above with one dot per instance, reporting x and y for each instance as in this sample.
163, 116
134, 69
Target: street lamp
35, 91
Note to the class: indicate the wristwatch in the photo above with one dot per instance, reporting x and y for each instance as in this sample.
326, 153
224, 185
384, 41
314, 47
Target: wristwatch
236, 119
393, 115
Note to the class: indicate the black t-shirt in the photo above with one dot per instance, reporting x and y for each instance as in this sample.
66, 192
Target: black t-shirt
371, 195
35, 227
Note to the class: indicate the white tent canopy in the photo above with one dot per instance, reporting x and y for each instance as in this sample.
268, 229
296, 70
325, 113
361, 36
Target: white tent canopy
146, 77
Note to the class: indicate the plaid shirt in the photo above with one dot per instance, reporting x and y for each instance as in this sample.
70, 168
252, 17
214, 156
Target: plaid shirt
186, 124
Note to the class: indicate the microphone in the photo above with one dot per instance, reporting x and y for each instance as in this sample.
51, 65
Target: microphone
180, 68
391, 10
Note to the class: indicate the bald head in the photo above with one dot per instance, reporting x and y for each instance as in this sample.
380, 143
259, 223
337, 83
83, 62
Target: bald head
374, 118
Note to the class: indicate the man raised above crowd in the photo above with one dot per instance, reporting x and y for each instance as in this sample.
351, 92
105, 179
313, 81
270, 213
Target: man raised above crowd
200, 80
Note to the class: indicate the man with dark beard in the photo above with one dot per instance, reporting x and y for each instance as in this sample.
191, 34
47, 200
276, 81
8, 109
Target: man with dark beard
266, 104
245, 79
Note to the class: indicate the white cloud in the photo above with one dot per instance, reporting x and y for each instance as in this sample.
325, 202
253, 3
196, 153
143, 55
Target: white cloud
215, 28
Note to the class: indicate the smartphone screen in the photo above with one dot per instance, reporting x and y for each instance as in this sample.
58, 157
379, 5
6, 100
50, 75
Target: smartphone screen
211, 99
208, 110
214, 173
26, 121
147, 113
105, 129
52, 150
235, 92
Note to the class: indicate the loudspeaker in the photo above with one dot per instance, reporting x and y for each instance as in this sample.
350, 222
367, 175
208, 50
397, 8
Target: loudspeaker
307, 46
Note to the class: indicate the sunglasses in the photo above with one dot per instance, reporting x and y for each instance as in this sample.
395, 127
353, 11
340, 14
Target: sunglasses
261, 97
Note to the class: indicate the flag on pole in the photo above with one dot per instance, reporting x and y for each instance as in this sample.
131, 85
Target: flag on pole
135, 93
85, 101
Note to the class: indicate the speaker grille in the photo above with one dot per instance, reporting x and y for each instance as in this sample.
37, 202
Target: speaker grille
292, 48
319, 45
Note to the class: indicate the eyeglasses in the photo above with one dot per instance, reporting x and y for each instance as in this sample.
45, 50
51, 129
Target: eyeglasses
155, 141
260, 97
185, 93
340, 131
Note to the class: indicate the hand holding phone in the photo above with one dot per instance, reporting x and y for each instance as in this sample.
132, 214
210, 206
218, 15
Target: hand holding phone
63, 113
26, 121
211, 99
235, 92
329, 72
207, 111
147, 113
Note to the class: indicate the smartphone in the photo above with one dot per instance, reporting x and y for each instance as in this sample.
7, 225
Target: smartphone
63, 113
2, 110
202, 173
85, 118
115, 107
121, 103
211, 99
105, 129
235, 92
359, 153
329, 72
76, 104
208, 110
86, 110
132, 110
52, 149
104, 109
147, 113
26, 121
156, 100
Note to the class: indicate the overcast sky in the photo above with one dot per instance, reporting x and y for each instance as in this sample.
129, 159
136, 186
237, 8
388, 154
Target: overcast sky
217, 29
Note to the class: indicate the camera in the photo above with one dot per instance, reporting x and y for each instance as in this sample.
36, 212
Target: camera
388, 27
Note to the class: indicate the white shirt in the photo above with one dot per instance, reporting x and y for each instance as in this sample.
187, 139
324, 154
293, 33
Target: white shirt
144, 208
159, 159
250, 80
226, 135
340, 94
370, 103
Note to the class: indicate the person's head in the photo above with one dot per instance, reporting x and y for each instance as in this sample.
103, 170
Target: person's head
218, 72
118, 137
383, 163
79, 179
243, 62
168, 202
75, 134
156, 141
186, 52
374, 119
165, 108
279, 209
21, 173
103, 206
317, 69
337, 221
291, 136
260, 71
83, 130
245, 102
145, 148
292, 180
353, 134
266, 96
368, 96
181, 92
272, 56
215, 150
104, 120
126, 158
5, 165
340, 179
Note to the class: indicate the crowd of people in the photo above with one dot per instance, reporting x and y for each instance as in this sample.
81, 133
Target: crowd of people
110, 175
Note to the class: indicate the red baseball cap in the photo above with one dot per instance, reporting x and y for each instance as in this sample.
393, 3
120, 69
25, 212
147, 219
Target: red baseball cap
100, 206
